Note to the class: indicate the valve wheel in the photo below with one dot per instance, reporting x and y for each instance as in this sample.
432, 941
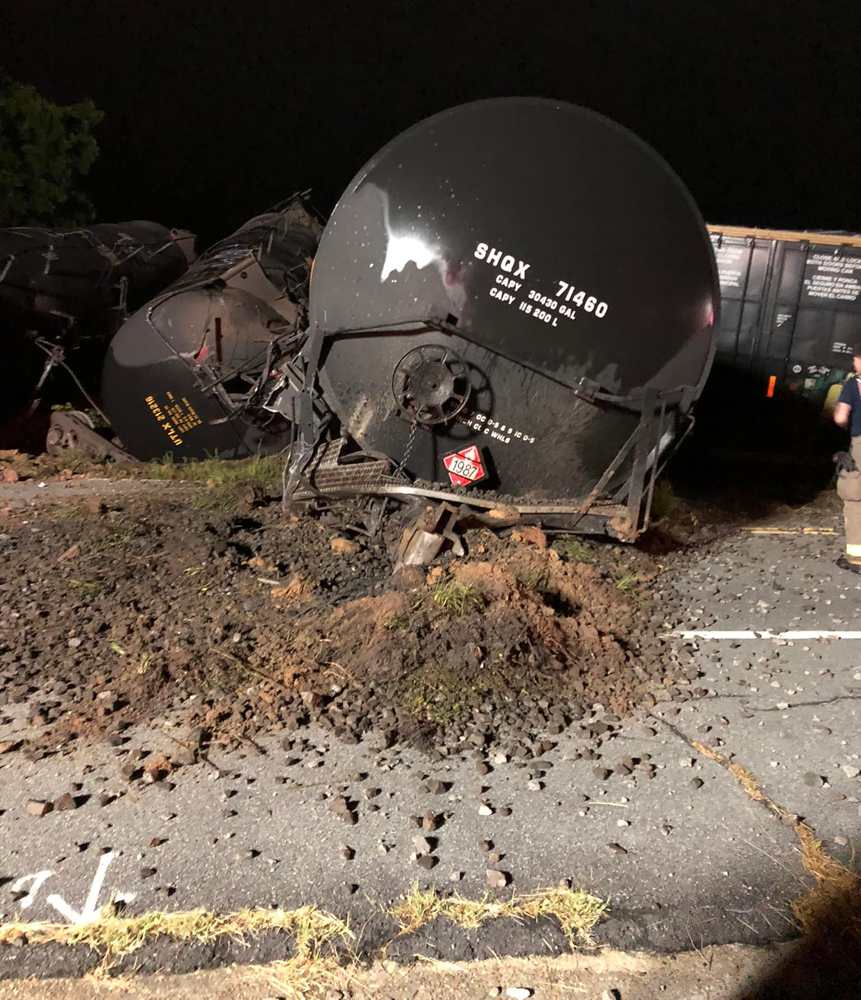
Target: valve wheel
431, 384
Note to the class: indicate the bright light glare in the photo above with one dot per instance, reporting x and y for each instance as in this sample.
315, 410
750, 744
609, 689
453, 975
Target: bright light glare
403, 249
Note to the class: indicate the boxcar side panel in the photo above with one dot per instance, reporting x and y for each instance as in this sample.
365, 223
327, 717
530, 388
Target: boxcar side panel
790, 315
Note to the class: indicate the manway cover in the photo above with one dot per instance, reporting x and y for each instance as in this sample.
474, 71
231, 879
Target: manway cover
553, 246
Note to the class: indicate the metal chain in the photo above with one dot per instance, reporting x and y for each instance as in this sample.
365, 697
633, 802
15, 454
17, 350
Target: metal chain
409, 448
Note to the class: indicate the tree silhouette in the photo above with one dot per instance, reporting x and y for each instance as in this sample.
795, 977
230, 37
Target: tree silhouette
45, 150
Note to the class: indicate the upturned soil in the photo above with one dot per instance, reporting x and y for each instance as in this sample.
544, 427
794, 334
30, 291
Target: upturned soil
222, 614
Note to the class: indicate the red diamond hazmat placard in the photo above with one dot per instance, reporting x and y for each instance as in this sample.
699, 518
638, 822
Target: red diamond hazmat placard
465, 467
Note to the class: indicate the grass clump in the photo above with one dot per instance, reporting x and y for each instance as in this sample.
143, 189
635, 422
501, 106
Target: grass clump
396, 622
422, 906
669, 508
111, 542
219, 471
456, 598
435, 694
576, 911
215, 498
71, 461
665, 501
572, 548
74, 512
629, 584
116, 539
95, 417
835, 900
302, 976
537, 578
441, 695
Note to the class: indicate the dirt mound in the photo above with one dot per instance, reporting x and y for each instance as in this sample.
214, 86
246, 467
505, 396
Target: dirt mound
481, 637
236, 619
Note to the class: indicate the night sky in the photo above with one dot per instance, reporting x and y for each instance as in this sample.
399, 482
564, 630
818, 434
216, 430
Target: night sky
214, 111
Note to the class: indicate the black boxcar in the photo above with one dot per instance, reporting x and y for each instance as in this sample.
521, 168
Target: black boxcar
790, 315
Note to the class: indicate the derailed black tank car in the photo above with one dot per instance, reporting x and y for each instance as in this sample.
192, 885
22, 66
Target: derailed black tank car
513, 307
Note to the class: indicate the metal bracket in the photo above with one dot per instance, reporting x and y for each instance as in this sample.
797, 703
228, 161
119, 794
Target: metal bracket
647, 441
74, 430
423, 540
308, 435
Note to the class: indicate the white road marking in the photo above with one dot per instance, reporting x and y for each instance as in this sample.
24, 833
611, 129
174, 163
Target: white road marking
761, 634
37, 878
91, 909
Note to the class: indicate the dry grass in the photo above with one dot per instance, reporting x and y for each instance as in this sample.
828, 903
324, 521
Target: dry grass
835, 900
309, 971
420, 907
114, 936
748, 782
745, 778
629, 584
577, 912
300, 977
314, 967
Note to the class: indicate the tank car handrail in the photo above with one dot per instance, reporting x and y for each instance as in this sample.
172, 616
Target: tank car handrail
682, 396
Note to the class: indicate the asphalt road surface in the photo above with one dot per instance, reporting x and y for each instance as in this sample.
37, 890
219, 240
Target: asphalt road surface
685, 856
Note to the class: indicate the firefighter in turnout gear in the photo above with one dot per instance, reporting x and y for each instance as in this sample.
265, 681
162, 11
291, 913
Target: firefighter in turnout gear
847, 413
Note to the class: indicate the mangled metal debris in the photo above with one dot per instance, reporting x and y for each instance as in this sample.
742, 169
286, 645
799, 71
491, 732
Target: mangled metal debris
66, 292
